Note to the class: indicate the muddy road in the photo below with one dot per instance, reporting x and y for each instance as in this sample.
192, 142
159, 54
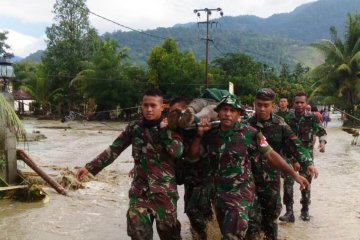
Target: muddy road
98, 210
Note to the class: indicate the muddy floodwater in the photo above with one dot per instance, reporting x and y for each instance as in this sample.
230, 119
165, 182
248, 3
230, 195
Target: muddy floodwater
98, 211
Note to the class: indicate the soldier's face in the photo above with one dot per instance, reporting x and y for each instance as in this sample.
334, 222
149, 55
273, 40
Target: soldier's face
300, 103
263, 109
283, 103
228, 116
152, 107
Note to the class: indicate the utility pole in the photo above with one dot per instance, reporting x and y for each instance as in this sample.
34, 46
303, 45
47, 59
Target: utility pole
207, 39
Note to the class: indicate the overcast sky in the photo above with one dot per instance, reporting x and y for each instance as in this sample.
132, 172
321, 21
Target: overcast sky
26, 20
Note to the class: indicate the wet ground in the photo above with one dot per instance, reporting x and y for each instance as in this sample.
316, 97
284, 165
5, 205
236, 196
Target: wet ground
98, 210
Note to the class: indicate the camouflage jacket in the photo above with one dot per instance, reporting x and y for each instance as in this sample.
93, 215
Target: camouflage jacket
283, 114
194, 172
229, 154
283, 140
305, 127
154, 160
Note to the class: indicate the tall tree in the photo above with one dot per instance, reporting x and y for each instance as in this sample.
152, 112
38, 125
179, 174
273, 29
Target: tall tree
174, 72
30, 78
71, 40
240, 69
339, 75
109, 81
4, 47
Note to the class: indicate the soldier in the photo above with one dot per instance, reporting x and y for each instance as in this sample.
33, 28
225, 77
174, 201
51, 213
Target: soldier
197, 193
283, 110
279, 135
229, 148
153, 193
305, 125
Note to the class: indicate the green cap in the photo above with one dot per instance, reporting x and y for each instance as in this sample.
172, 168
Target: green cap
229, 100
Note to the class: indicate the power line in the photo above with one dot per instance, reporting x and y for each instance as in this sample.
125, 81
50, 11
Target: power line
216, 47
121, 80
122, 25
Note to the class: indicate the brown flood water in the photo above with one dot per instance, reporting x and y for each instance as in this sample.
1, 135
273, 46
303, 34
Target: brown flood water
99, 210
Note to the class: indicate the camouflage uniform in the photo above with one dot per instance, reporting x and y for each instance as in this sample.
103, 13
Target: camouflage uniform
304, 127
288, 180
267, 206
283, 114
198, 194
153, 193
229, 153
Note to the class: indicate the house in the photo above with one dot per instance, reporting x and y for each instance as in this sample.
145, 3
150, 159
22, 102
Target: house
23, 102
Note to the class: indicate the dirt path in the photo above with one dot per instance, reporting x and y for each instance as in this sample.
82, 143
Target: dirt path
98, 211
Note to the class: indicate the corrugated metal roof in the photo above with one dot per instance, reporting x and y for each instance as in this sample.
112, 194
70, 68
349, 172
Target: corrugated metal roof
21, 95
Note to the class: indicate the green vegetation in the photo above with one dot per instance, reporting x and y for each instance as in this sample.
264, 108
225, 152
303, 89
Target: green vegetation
79, 69
9, 117
174, 72
338, 77
4, 48
71, 41
2, 160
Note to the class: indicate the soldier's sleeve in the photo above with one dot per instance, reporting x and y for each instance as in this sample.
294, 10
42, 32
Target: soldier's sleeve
319, 131
294, 148
172, 142
262, 144
111, 153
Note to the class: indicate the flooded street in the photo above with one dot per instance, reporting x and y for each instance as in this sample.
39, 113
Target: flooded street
98, 211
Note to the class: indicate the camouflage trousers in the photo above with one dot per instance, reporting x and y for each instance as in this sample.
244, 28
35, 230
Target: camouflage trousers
143, 210
266, 210
288, 198
233, 215
198, 208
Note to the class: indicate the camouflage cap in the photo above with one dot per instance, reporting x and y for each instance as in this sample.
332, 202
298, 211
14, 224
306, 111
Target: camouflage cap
265, 94
230, 100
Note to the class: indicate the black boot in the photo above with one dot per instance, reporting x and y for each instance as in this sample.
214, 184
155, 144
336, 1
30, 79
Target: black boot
305, 216
289, 215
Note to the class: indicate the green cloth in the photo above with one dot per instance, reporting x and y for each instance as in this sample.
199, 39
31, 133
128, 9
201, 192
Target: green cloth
215, 94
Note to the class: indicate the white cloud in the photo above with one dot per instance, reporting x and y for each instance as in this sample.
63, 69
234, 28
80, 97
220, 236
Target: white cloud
34, 11
22, 45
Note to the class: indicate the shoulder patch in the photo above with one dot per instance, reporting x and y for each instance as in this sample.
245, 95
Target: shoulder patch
263, 142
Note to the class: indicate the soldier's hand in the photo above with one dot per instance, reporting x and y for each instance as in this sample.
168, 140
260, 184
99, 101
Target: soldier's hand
296, 166
203, 126
313, 171
131, 173
302, 181
81, 173
322, 147
164, 123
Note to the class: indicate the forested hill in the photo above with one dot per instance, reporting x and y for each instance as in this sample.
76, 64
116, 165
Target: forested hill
309, 22
281, 38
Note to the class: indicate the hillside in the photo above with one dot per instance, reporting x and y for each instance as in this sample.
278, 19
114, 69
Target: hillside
308, 22
281, 38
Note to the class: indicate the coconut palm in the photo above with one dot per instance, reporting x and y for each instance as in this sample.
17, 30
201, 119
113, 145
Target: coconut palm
339, 75
8, 115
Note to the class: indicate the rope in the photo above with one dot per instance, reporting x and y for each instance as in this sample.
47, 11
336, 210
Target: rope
347, 114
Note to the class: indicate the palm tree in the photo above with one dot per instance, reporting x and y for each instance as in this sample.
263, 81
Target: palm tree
339, 75
9, 117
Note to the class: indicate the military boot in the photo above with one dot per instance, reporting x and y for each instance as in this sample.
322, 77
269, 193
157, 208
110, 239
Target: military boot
305, 216
289, 215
